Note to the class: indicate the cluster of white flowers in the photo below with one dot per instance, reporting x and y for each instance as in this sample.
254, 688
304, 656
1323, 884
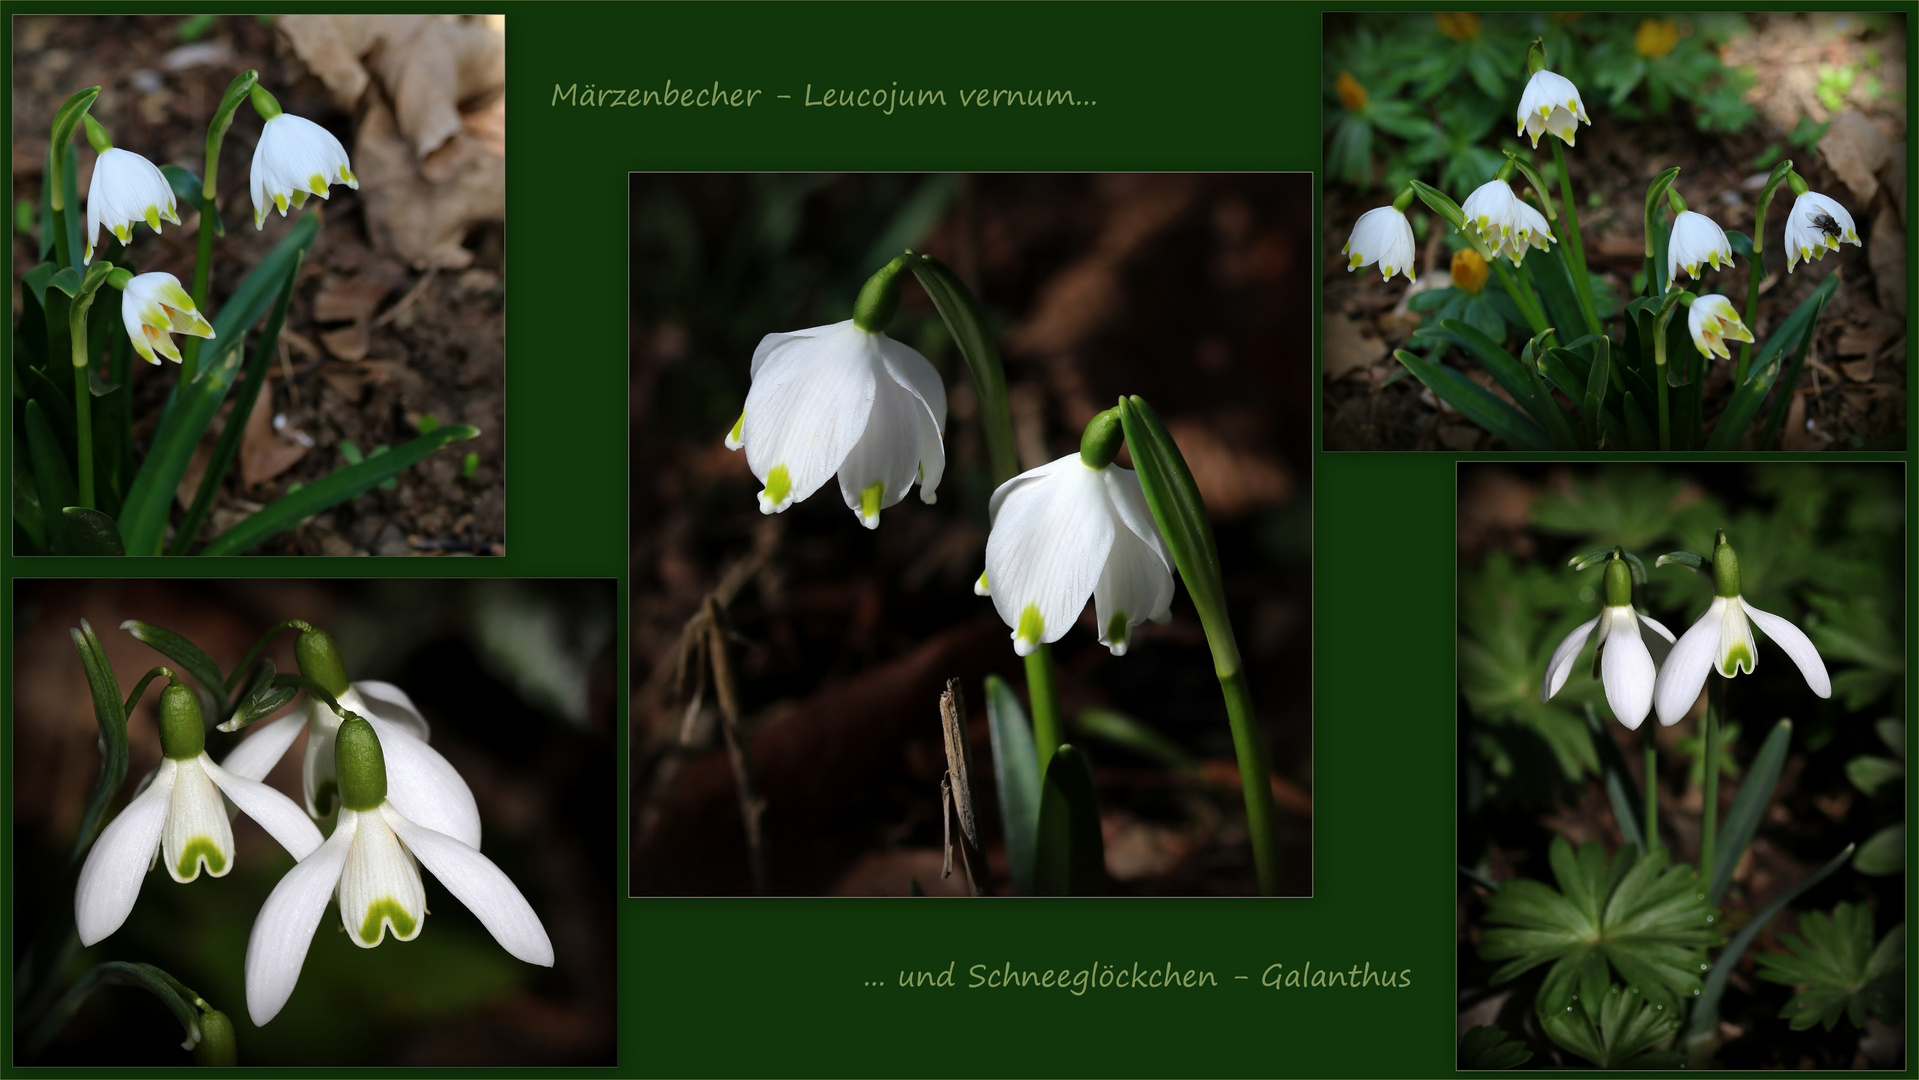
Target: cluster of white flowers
399, 805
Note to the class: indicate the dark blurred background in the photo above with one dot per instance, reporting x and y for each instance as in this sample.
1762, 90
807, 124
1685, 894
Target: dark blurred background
517, 679
1193, 291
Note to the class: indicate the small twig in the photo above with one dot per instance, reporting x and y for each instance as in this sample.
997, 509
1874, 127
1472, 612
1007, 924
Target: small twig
956, 792
752, 805
418, 289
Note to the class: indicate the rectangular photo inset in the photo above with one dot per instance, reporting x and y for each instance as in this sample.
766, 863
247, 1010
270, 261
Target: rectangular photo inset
1614, 230
318, 822
258, 288
971, 534
1682, 766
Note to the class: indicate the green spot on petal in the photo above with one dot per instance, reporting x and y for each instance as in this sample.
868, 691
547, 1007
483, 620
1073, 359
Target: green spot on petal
347, 176
198, 848
779, 485
389, 910
122, 233
734, 435
1032, 625
1116, 629
280, 202
870, 496
1738, 659
317, 184
153, 218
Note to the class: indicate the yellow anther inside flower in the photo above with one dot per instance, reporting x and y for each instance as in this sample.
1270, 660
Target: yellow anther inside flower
1655, 38
1458, 25
1351, 95
1469, 271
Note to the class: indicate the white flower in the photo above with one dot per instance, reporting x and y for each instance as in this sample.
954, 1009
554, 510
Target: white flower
1817, 224
1712, 320
426, 787
1631, 646
155, 307
1065, 531
837, 399
1382, 236
295, 158
126, 190
1504, 222
178, 817
1695, 239
1722, 639
1551, 103
371, 864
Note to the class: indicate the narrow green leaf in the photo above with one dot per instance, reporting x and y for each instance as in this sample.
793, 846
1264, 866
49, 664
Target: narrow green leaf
1477, 404
1639, 432
92, 532
1070, 855
53, 476
1598, 380
28, 512
1790, 378
111, 717
1557, 423
1742, 821
1442, 204
1016, 776
337, 487
961, 313
1622, 791
190, 657
1507, 371
178, 999
1134, 736
263, 697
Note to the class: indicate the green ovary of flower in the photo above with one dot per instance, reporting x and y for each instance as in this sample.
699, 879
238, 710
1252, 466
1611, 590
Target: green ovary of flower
388, 910
197, 849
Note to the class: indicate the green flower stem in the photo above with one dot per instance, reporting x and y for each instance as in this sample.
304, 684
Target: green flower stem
1659, 376
1522, 296
1757, 270
82, 401
1575, 246
1709, 825
1044, 693
1652, 786
237, 92
1253, 782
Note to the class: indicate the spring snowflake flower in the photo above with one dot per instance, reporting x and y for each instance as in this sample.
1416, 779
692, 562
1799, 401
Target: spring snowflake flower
1382, 236
371, 864
840, 399
1550, 104
1631, 646
1713, 322
154, 307
1066, 531
126, 189
1722, 640
179, 819
295, 158
1817, 224
1504, 222
1695, 239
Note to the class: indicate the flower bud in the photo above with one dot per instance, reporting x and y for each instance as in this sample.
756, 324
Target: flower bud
1100, 443
97, 136
216, 1048
320, 661
183, 733
1725, 567
361, 766
879, 298
264, 103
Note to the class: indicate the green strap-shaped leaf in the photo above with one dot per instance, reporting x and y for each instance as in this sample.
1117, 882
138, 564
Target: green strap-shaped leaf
1767, 370
1442, 204
1134, 736
1621, 790
1813, 307
961, 313
1508, 372
28, 512
111, 716
1742, 821
191, 658
336, 487
53, 476
92, 532
1070, 855
1639, 432
182, 1002
1477, 403
187, 191
1557, 423
1016, 775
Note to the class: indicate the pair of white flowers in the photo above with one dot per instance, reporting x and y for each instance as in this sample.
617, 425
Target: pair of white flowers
1644, 669
401, 806
851, 401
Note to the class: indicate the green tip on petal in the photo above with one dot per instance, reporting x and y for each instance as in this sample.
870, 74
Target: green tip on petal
382, 911
1032, 628
197, 850
980, 588
317, 184
1738, 659
122, 233
779, 490
280, 202
153, 218
733, 440
870, 496
1116, 633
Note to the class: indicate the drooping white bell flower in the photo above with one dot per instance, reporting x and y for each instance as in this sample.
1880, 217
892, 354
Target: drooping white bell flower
1713, 320
371, 864
1382, 236
1631, 646
1817, 224
1695, 239
841, 399
178, 817
1504, 222
1722, 640
295, 158
126, 190
154, 307
1550, 104
1068, 530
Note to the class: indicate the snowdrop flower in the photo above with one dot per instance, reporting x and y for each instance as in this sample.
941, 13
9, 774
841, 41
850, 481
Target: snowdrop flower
126, 190
1382, 236
1630, 648
1504, 222
1695, 239
427, 788
177, 817
295, 158
154, 308
1070, 529
372, 863
1550, 104
1722, 640
1816, 225
844, 399
1712, 320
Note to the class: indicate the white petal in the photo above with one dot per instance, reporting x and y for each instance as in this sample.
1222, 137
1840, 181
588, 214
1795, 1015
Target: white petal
1658, 639
283, 930
317, 775
807, 408
120, 858
1046, 550
1626, 669
379, 886
1029, 478
1796, 644
391, 704
265, 745
256, 185
1737, 650
485, 890
912, 371
1137, 582
1684, 673
425, 786
887, 454
771, 342
1561, 665
281, 817
197, 832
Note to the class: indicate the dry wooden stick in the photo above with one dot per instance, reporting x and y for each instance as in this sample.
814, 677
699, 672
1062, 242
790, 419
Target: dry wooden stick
956, 793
